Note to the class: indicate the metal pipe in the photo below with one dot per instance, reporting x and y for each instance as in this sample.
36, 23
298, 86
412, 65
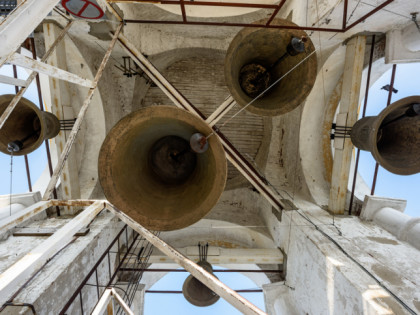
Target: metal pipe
203, 3
41, 106
364, 17
178, 292
28, 174
353, 188
216, 270
76, 127
346, 2
280, 5
307, 28
391, 87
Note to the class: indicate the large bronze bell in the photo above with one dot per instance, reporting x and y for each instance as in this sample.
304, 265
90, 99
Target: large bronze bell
196, 292
27, 126
257, 57
393, 137
148, 170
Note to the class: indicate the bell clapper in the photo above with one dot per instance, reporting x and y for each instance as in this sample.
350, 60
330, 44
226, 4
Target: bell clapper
199, 143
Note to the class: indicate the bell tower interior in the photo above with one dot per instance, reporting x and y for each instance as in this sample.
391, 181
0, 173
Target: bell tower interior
207, 138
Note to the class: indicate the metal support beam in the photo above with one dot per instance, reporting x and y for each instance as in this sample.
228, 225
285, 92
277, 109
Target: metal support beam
31, 77
76, 127
221, 256
245, 167
347, 117
41, 67
12, 81
15, 275
19, 24
198, 272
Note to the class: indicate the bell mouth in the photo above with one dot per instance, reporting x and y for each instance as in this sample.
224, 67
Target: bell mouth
397, 141
172, 160
262, 48
25, 124
147, 169
196, 292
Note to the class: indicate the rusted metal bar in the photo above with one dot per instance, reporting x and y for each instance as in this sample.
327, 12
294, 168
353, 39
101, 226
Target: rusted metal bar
364, 17
207, 23
391, 87
232, 154
28, 174
353, 188
184, 14
41, 106
76, 127
280, 5
198, 272
180, 292
31, 77
346, 2
86, 279
248, 5
203, 3
216, 270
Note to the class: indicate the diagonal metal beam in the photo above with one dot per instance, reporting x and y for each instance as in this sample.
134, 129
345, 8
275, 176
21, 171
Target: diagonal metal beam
31, 77
232, 154
76, 127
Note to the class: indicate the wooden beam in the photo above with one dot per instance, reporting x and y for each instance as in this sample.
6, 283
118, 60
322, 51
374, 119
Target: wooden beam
347, 116
31, 77
20, 23
12, 81
22, 216
15, 276
232, 297
76, 127
41, 67
222, 110
106, 300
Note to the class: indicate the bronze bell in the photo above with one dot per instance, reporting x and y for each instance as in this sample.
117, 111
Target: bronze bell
148, 170
197, 293
27, 126
257, 57
393, 137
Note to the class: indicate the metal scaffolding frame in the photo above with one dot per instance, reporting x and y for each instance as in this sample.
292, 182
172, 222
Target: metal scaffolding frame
274, 7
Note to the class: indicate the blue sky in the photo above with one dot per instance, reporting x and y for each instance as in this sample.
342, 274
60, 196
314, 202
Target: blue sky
175, 304
37, 159
390, 185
